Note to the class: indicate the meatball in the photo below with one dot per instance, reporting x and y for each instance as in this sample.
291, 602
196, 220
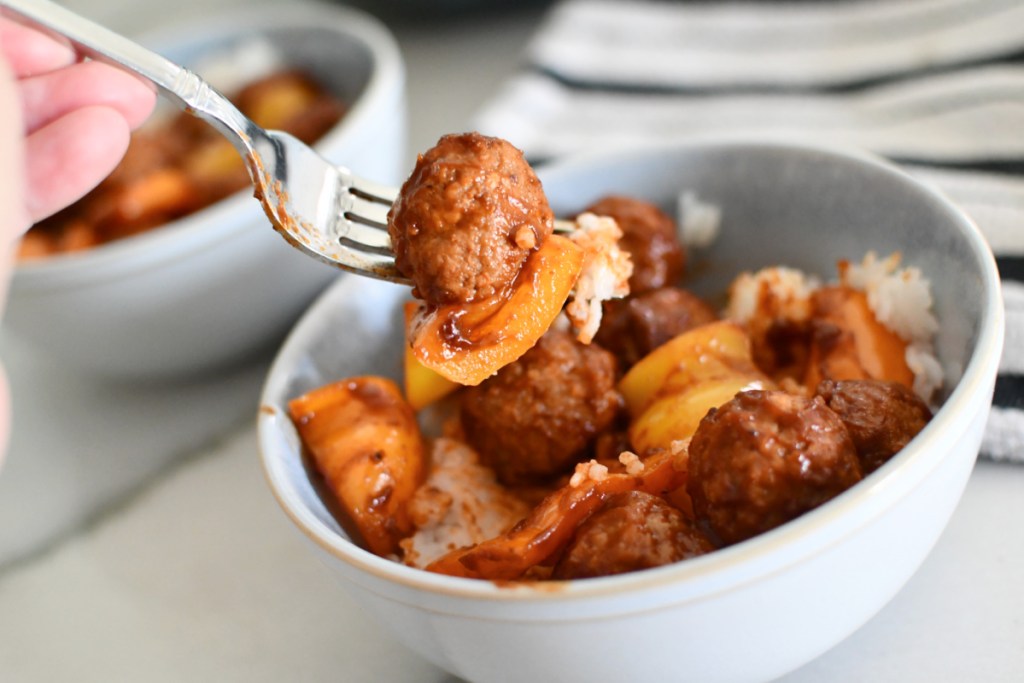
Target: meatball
467, 218
882, 417
649, 235
633, 327
764, 458
537, 416
632, 530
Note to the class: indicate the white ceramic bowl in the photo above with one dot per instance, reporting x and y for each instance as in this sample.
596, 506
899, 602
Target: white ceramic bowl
218, 286
749, 612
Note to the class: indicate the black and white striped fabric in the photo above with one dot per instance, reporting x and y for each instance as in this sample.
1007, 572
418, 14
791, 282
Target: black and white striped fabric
935, 85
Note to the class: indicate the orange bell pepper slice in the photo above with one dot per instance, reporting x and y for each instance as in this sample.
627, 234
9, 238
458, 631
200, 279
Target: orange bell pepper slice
850, 343
365, 441
422, 385
670, 390
467, 343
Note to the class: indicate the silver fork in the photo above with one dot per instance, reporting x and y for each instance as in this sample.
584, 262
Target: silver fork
320, 208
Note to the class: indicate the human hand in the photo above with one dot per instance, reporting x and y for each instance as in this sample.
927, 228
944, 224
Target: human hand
75, 118
64, 125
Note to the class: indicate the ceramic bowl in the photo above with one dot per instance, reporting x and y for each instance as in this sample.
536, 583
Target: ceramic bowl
752, 611
218, 286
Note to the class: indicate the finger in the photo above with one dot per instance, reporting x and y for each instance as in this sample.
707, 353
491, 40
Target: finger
70, 156
13, 220
49, 96
29, 52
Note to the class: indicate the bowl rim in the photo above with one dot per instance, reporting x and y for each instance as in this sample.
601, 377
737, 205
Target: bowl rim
221, 220
727, 568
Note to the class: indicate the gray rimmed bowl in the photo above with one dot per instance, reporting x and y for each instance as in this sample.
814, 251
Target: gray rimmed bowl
749, 612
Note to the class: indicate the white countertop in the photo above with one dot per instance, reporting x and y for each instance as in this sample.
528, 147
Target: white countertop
177, 564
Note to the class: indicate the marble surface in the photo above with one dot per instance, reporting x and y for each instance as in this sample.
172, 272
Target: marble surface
138, 540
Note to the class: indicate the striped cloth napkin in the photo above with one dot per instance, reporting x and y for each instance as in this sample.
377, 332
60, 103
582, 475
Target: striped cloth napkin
935, 85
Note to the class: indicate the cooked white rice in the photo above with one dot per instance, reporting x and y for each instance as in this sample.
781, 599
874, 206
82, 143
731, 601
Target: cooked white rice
632, 462
605, 274
591, 470
460, 504
900, 299
699, 221
926, 368
776, 292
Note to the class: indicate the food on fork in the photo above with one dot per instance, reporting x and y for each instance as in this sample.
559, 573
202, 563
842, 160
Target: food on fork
473, 230
422, 385
467, 219
468, 342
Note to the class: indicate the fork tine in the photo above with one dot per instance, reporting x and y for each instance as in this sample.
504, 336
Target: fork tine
365, 211
378, 265
564, 227
360, 236
371, 190
352, 254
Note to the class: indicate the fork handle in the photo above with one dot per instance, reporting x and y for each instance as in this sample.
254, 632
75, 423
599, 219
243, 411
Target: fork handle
191, 92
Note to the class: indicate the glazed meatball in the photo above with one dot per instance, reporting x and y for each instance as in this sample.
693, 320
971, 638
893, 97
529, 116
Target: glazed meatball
649, 235
537, 416
882, 417
764, 458
467, 218
632, 530
633, 327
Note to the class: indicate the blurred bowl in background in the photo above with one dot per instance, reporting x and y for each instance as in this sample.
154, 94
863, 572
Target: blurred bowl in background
215, 288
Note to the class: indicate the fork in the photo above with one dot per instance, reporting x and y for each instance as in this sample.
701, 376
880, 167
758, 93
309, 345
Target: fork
322, 209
